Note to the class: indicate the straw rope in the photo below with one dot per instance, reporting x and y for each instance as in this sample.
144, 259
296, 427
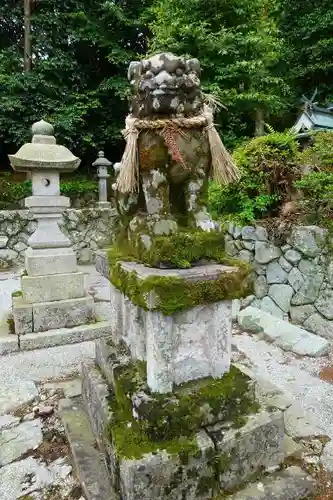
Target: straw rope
224, 170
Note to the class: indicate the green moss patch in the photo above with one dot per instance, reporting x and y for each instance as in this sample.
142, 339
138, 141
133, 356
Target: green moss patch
170, 421
172, 293
180, 250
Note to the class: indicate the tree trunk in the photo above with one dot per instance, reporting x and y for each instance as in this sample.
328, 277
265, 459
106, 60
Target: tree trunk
27, 35
259, 123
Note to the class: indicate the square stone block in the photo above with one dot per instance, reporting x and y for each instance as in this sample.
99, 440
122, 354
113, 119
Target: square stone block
63, 314
22, 315
52, 287
187, 345
247, 450
41, 262
163, 476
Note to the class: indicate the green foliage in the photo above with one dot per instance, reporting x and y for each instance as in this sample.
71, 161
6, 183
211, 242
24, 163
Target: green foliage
317, 201
319, 155
268, 167
307, 61
239, 48
81, 50
12, 193
317, 186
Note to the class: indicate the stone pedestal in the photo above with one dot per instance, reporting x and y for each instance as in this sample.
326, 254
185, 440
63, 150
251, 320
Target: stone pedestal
53, 291
187, 345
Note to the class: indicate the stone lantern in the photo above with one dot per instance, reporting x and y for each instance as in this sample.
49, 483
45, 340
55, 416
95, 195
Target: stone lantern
102, 165
53, 293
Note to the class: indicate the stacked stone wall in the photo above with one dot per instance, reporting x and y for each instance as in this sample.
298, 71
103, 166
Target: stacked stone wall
293, 281
88, 229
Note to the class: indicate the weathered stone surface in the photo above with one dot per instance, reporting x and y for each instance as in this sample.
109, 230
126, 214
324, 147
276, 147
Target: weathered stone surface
261, 233
317, 324
259, 443
260, 287
230, 248
8, 421
161, 476
63, 314
88, 463
285, 335
324, 303
290, 484
22, 315
275, 273
281, 294
266, 252
269, 306
286, 266
309, 289
249, 233
292, 256
309, 240
299, 314
16, 441
53, 287
245, 255
248, 245
13, 397
300, 425
296, 279
259, 268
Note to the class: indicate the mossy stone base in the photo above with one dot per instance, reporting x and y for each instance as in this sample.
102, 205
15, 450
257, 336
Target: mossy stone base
175, 290
189, 462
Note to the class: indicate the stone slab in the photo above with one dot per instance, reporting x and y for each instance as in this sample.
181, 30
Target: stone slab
63, 314
22, 316
9, 344
40, 262
290, 484
95, 394
63, 336
245, 451
283, 334
8, 421
16, 441
199, 273
89, 464
13, 397
52, 287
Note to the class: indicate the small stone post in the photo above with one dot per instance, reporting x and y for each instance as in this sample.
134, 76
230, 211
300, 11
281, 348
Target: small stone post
102, 163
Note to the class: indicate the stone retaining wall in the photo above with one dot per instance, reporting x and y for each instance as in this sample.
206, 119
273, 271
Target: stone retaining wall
89, 229
293, 281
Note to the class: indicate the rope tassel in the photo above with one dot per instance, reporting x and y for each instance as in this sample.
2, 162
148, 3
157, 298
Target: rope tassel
224, 169
128, 178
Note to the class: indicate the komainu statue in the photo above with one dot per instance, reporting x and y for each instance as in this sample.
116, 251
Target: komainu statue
172, 148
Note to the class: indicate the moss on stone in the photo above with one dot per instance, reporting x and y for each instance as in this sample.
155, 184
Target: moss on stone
170, 421
180, 250
172, 294
17, 293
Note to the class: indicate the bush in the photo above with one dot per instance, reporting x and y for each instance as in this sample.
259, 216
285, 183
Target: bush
317, 200
268, 167
12, 193
319, 155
